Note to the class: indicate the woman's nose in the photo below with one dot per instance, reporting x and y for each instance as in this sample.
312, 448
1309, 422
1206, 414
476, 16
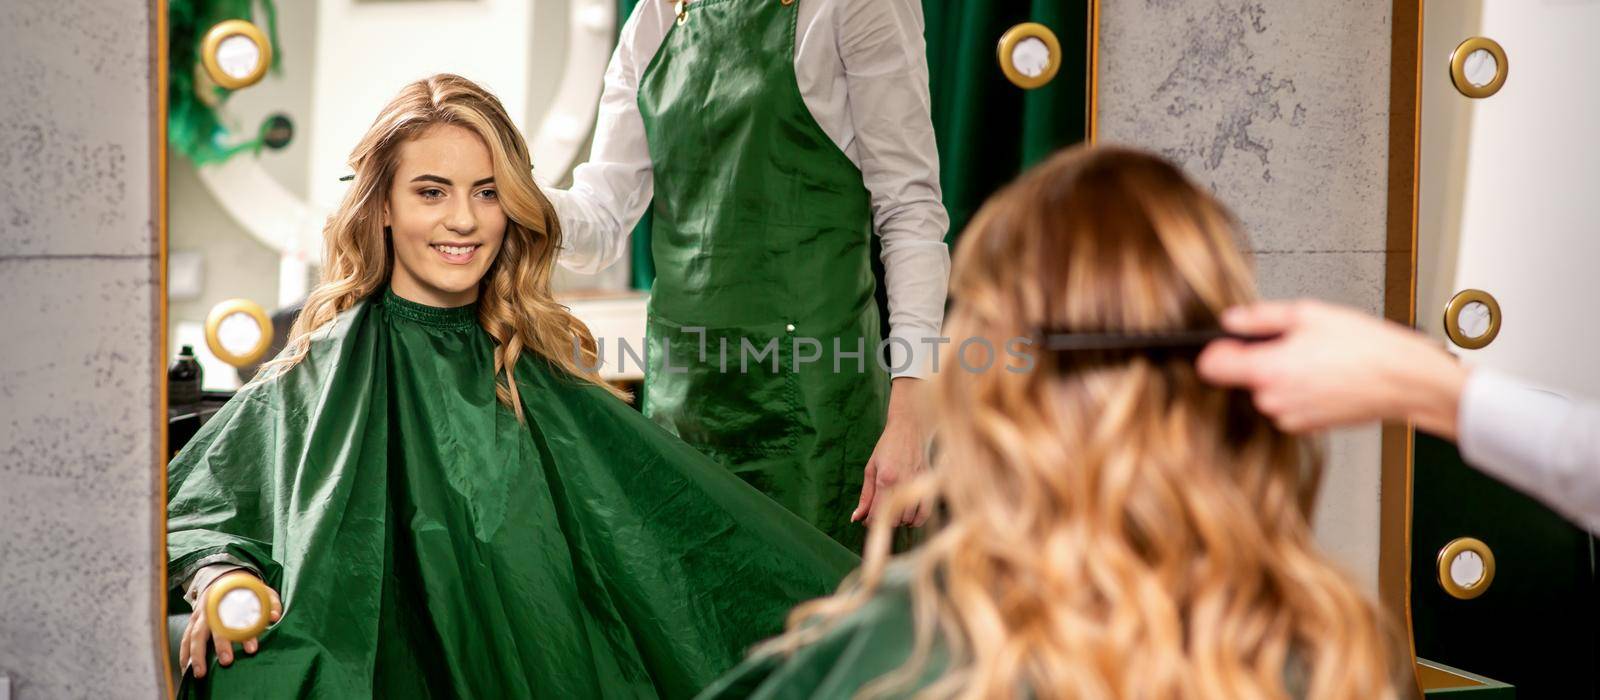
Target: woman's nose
462, 220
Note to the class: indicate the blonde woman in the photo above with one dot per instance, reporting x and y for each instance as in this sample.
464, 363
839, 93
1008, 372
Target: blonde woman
445, 499
1112, 527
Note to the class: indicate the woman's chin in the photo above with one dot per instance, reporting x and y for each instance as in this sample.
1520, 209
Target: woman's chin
461, 286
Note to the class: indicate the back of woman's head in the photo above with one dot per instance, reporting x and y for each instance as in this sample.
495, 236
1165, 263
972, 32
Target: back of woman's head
1111, 525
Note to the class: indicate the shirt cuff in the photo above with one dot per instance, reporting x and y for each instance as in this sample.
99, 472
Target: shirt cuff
208, 574
910, 351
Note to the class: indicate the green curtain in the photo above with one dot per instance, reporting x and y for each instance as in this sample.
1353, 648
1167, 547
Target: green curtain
988, 130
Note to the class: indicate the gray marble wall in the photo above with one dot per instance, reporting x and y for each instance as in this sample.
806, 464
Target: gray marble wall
1281, 108
78, 372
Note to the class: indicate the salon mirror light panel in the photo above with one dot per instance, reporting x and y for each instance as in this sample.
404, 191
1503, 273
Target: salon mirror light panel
1507, 228
1505, 240
249, 228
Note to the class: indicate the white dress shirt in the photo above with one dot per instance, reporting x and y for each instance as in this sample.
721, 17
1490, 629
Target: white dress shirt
1537, 442
862, 70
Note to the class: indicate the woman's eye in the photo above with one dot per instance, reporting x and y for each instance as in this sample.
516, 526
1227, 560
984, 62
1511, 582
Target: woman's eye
489, 194
431, 193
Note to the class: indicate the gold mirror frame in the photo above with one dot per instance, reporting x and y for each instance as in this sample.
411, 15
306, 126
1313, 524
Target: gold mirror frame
1458, 67
1400, 286
1016, 35
1452, 318
1447, 556
221, 312
213, 42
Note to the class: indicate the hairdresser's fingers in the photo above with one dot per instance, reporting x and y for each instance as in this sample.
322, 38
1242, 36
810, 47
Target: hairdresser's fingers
880, 506
869, 488
1263, 317
921, 517
907, 515
1227, 362
1290, 412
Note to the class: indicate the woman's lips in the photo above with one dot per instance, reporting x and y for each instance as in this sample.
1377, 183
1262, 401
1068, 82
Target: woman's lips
455, 254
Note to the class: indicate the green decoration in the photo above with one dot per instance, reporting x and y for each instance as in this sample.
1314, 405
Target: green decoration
193, 127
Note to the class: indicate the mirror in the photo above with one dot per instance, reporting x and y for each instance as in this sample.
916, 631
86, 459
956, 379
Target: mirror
246, 211
264, 109
261, 122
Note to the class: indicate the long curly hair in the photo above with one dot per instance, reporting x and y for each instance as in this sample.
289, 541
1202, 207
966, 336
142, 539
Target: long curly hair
515, 305
1110, 525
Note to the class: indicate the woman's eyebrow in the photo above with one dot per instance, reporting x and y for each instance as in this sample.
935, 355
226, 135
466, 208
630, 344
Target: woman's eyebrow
446, 181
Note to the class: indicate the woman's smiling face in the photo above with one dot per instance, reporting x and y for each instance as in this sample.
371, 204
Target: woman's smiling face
444, 215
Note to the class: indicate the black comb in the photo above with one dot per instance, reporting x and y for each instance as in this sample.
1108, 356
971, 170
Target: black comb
1079, 342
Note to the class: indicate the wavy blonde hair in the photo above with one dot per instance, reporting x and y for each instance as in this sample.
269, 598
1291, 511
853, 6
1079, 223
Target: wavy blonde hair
515, 305
1110, 525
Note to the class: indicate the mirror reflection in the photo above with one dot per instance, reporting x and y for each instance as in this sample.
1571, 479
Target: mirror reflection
409, 425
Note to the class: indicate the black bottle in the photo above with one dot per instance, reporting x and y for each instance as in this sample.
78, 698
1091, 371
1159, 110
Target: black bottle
184, 377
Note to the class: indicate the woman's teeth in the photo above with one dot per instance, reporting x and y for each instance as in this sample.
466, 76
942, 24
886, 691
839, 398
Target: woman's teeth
456, 250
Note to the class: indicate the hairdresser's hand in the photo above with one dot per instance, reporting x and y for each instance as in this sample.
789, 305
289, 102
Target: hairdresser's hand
1335, 366
198, 634
902, 453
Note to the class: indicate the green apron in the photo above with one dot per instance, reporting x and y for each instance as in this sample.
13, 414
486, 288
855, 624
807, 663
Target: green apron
761, 244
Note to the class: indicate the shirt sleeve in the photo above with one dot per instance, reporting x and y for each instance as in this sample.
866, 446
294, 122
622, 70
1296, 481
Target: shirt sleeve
611, 191
886, 74
1537, 442
209, 573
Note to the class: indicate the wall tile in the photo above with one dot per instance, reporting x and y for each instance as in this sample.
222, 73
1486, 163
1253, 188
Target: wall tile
1352, 279
1280, 106
75, 128
77, 419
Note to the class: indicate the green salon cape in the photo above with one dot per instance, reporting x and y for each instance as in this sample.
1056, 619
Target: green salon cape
427, 544
872, 642
865, 646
